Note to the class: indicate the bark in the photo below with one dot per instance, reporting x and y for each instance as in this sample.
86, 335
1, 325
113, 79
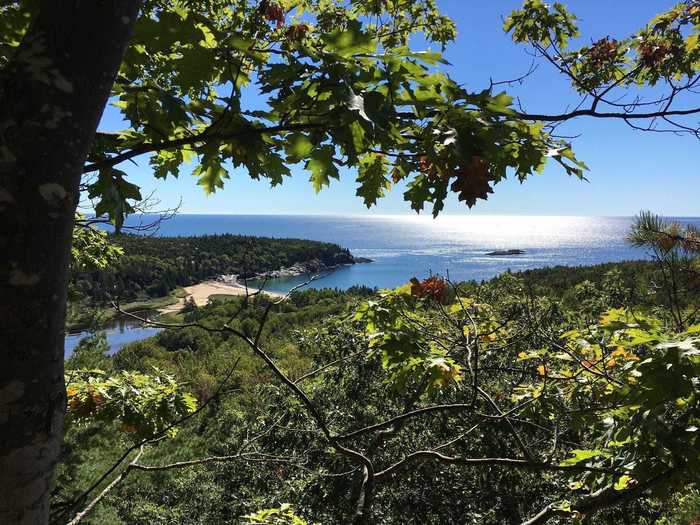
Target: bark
52, 94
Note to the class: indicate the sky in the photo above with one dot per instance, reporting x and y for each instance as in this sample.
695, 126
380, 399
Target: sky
629, 170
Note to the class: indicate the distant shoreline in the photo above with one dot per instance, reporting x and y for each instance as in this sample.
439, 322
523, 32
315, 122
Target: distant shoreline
231, 285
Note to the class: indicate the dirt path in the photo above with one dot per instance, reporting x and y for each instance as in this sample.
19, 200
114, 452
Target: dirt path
201, 292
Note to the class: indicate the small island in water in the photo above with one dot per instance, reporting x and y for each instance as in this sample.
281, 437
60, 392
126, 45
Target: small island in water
506, 252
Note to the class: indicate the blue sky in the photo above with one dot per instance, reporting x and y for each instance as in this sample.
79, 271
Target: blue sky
630, 170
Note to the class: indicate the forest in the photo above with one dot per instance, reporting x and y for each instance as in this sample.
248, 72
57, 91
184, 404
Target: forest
152, 266
557, 382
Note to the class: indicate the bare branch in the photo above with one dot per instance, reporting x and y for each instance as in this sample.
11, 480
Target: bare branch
327, 366
432, 409
79, 517
612, 115
506, 462
249, 456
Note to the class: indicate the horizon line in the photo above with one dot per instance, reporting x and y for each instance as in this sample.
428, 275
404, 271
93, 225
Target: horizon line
408, 215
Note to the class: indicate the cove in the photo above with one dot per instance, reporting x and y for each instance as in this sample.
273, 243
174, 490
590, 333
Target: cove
119, 332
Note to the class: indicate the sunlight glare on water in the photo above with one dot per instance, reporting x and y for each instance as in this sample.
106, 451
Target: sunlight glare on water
403, 246
503, 232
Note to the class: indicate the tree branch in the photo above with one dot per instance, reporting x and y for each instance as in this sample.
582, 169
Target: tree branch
427, 410
605, 497
312, 410
601, 114
205, 136
506, 462
123, 474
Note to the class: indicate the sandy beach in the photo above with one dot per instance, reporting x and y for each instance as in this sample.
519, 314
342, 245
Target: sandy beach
201, 292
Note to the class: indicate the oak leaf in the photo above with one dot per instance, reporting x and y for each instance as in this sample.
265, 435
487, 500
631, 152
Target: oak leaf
473, 182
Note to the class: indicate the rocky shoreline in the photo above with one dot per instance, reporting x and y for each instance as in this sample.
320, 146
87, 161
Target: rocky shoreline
310, 267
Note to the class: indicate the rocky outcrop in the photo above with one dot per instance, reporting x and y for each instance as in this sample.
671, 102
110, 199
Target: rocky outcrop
506, 252
310, 267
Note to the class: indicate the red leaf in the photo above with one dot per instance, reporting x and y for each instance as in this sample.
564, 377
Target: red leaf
473, 182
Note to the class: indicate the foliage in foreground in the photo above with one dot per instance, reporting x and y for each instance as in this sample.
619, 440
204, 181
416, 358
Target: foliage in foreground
455, 394
143, 404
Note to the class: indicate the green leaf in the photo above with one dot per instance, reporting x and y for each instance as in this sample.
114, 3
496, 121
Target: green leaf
211, 175
144, 404
322, 167
273, 168
194, 67
583, 455
429, 56
622, 482
695, 329
114, 192
350, 41
92, 250
501, 104
376, 108
298, 147
372, 178
418, 192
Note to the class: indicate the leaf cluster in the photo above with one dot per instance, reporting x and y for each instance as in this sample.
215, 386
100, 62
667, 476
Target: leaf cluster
144, 405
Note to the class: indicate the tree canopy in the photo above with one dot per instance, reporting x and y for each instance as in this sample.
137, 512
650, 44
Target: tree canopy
342, 87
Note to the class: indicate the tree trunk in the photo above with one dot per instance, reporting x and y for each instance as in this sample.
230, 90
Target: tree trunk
52, 94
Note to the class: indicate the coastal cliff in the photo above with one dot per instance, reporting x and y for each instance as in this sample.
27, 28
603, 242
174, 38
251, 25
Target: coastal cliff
310, 267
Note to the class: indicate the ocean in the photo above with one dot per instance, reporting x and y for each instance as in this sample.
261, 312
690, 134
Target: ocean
402, 247
405, 246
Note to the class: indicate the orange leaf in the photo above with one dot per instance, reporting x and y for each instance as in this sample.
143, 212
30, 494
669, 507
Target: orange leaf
473, 182
432, 287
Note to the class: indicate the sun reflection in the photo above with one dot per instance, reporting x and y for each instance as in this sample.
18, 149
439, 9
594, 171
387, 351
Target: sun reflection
506, 231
